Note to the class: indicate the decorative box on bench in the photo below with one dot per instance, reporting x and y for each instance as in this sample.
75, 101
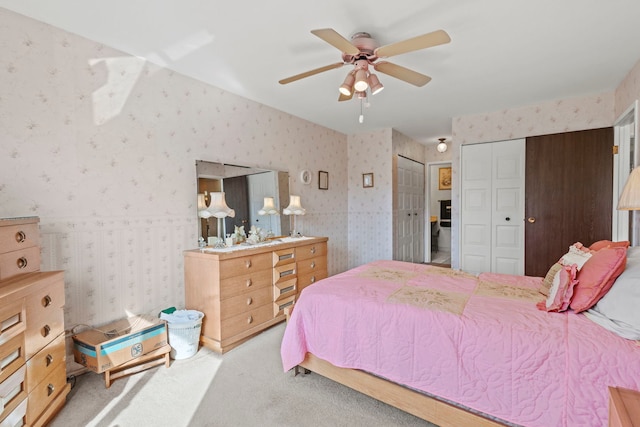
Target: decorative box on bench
104, 348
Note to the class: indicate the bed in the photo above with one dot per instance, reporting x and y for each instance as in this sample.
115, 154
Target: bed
461, 349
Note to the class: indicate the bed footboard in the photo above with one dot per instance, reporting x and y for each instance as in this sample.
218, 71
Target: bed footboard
422, 406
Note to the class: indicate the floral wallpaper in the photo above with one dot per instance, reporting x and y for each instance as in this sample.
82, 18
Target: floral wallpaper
102, 147
628, 91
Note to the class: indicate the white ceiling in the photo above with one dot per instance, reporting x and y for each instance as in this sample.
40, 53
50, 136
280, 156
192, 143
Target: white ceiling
503, 53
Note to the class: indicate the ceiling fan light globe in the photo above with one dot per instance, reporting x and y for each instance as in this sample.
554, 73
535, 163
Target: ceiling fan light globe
361, 81
345, 90
375, 84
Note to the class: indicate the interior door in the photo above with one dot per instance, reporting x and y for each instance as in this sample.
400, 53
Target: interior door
492, 207
569, 190
410, 221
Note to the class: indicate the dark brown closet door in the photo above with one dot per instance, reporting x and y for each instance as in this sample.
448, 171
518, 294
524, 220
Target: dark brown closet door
569, 188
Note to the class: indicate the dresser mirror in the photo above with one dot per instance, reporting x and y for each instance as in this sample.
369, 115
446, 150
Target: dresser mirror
245, 189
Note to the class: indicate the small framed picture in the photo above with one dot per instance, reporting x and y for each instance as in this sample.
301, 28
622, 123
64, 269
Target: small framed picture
323, 180
444, 178
367, 180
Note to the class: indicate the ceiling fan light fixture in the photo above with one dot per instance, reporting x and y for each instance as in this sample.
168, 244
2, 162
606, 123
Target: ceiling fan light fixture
361, 81
374, 83
442, 146
347, 86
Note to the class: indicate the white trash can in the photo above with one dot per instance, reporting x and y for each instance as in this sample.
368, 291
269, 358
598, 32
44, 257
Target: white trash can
183, 327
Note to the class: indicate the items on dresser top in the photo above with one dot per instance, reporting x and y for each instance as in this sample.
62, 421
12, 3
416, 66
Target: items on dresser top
33, 377
244, 291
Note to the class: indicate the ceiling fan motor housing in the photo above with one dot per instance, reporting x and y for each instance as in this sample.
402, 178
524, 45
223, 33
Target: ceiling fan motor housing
367, 46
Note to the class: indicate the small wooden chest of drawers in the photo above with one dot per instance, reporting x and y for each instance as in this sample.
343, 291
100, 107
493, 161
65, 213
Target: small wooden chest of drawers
33, 379
242, 292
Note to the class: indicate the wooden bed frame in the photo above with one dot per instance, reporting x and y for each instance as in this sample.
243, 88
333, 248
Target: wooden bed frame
422, 406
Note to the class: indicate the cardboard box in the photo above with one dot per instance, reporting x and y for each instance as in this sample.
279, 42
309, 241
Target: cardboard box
112, 345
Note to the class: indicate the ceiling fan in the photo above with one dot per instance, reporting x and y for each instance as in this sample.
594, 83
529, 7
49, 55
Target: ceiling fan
363, 53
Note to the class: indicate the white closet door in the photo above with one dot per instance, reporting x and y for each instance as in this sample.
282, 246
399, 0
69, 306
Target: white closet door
492, 207
410, 224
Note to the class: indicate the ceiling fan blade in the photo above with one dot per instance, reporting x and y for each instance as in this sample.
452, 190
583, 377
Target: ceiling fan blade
343, 97
310, 73
336, 40
402, 73
424, 41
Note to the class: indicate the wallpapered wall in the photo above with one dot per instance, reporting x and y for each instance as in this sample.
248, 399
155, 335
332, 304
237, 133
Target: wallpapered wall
102, 147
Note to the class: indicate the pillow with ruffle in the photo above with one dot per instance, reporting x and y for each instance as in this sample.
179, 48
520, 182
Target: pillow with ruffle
578, 254
561, 291
601, 244
597, 276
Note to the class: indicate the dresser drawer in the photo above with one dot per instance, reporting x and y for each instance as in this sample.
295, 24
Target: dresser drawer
41, 331
12, 319
284, 273
21, 261
244, 265
17, 416
245, 302
246, 283
280, 306
310, 251
44, 301
312, 264
19, 236
245, 321
46, 392
285, 256
12, 356
305, 280
284, 289
12, 392
45, 361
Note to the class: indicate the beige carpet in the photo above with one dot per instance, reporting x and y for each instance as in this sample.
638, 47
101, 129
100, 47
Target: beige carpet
244, 387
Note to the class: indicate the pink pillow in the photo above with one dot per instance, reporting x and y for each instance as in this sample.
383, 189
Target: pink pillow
596, 246
561, 290
597, 276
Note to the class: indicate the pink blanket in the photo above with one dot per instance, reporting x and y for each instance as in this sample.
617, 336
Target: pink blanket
478, 341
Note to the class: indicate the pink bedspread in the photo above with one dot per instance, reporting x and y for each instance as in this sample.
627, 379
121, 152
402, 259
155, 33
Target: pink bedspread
478, 341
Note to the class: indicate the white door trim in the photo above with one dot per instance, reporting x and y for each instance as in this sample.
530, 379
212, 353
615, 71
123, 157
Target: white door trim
625, 131
427, 207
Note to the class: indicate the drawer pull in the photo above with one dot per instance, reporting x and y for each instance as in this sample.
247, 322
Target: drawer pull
313, 264
22, 262
249, 301
46, 330
249, 320
248, 282
313, 250
21, 236
50, 389
46, 301
285, 256
287, 273
247, 263
49, 360
313, 279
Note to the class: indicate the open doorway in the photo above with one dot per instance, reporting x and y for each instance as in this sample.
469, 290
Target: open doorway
438, 232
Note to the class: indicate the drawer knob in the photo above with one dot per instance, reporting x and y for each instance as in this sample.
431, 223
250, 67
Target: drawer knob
21, 237
249, 301
50, 389
46, 301
46, 330
22, 262
248, 282
248, 263
313, 250
313, 264
49, 360
250, 320
313, 279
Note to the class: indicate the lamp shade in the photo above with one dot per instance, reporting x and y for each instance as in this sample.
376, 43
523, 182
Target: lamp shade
294, 208
347, 87
218, 206
269, 207
374, 83
361, 81
630, 197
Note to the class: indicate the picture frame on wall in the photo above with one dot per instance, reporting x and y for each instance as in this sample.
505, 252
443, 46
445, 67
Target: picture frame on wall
444, 178
323, 180
367, 180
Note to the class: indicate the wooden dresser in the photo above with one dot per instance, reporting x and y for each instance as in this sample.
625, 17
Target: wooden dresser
33, 377
244, 291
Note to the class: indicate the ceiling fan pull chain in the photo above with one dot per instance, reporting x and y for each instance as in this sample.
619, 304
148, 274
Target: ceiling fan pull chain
361, 118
